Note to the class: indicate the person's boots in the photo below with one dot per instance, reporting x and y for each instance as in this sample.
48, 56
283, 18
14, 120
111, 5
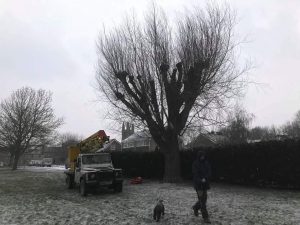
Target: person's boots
195, 208
206, 220
196, 213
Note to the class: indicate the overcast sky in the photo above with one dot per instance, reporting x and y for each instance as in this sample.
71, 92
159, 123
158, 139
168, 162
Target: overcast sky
52, 45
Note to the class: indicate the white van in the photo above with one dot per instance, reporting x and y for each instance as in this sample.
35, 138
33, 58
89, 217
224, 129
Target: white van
47, 162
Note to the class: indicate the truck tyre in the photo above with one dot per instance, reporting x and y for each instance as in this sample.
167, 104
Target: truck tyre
82, 188
69, 182
118, 187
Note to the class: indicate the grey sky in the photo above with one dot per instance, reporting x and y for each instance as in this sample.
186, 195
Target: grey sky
51, 45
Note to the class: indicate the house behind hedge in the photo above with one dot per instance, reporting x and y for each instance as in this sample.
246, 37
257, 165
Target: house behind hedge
112, 145
141, 141
211, 139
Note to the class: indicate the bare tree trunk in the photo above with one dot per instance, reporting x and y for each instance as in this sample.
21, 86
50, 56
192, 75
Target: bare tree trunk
172, 173
11, 157
15, 160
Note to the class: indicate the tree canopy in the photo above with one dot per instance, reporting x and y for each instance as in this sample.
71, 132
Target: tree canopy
167, 77
27, 121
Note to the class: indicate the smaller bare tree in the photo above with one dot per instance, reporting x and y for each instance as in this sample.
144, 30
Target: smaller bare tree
292, 129
68, 138
238, 128
27, 121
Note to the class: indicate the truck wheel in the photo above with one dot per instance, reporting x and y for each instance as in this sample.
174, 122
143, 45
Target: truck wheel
118, 187
69, 182
82, 188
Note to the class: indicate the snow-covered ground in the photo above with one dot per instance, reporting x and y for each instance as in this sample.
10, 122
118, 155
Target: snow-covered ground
38, 196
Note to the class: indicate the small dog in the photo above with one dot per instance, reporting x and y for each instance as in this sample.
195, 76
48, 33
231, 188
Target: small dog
159, 210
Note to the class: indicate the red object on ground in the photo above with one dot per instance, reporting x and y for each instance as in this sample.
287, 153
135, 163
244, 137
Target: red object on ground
136, 180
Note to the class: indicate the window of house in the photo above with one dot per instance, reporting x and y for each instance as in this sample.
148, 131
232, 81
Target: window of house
146, 143
128, 144
139, 143
131, 144
113, 147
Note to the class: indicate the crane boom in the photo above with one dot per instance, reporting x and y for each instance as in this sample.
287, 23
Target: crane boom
88, 145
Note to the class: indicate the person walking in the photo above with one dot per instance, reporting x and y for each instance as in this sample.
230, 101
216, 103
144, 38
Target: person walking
201, 175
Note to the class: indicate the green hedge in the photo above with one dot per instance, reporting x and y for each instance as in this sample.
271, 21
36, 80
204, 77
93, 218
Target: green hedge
144, 164
274, 163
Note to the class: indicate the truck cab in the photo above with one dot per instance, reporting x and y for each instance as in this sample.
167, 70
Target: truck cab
92, 171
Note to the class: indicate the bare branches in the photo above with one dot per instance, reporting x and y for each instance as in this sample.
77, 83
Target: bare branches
238, 127
68, 138
292, 128
170, 78
26, 120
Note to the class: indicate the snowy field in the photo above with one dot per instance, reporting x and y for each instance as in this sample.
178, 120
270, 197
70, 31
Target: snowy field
38, 196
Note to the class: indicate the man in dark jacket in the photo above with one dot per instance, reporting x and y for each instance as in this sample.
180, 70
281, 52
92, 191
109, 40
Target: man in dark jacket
201, 175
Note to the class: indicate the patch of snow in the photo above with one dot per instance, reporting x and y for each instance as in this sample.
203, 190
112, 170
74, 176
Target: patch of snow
43, 169
38, 196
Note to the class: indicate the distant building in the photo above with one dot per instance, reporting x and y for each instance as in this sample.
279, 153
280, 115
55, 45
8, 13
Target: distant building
57, 153
37, 154
127, 130
277, 137
4, 157
250, 141
282, 137
139, 141
207, 140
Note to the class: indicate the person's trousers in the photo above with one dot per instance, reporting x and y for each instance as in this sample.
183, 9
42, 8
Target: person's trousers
201, 203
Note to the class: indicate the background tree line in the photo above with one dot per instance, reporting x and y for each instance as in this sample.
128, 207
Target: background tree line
238, 130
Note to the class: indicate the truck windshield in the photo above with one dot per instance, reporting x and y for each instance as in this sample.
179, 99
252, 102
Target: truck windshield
96, 159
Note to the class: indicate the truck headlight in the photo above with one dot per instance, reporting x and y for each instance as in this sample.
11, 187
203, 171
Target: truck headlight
118, 173
92, 176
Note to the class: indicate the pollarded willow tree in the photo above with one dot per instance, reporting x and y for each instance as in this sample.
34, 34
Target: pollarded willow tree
170, 77
27, 122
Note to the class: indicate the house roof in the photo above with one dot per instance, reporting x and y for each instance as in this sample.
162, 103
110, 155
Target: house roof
208, 139
107, 145
140, 135
216, 138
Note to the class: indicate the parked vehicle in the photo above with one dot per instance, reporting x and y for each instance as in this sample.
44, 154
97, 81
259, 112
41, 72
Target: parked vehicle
47, 162
36, 162
90, 170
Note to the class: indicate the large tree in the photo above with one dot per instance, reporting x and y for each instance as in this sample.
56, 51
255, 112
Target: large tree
27, 121
169, 78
